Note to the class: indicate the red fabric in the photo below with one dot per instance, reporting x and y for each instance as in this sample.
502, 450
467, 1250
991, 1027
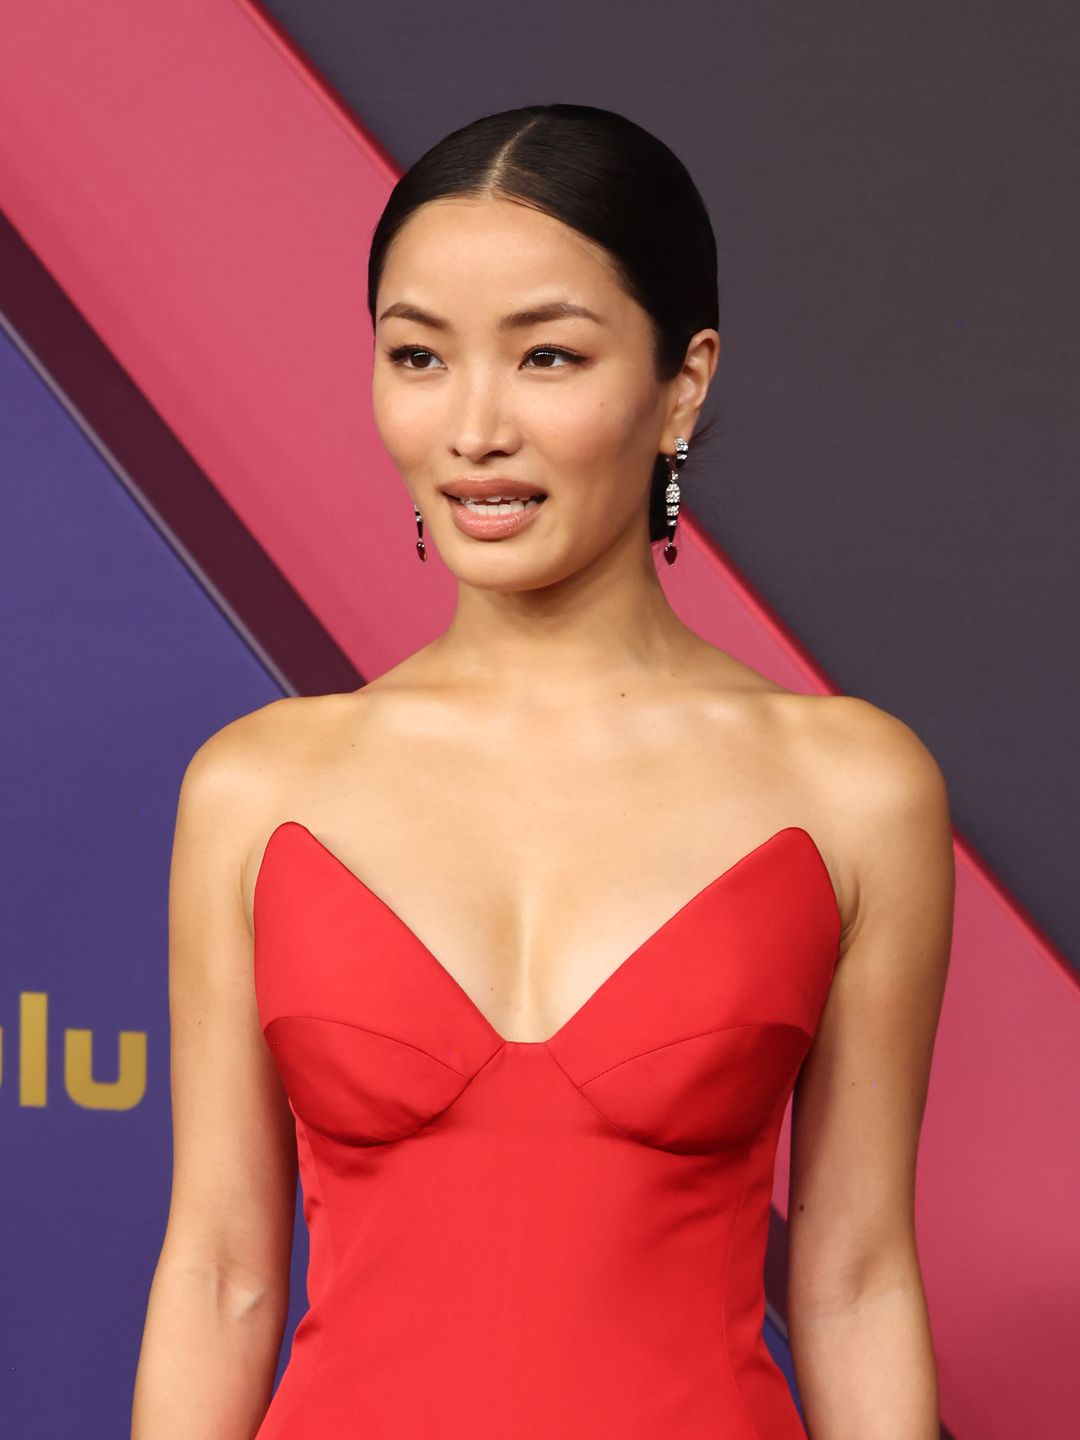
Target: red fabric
544, 1238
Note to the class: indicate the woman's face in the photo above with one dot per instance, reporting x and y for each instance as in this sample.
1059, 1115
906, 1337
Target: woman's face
466, 386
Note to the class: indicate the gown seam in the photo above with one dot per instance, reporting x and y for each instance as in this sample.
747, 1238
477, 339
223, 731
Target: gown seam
578, 1090
432, 1119
736, 1387
369, 1030
699, 1035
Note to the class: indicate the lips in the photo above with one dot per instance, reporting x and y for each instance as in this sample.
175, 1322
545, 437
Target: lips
499, 523
491, 486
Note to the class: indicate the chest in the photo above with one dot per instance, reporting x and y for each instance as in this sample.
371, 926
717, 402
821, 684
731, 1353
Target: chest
529, 864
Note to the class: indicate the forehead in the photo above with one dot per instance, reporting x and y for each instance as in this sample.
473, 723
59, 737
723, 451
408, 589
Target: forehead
491, 253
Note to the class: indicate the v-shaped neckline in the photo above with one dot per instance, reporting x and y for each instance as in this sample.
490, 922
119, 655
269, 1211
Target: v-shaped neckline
610, 980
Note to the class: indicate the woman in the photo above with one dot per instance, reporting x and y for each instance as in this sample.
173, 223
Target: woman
550, 919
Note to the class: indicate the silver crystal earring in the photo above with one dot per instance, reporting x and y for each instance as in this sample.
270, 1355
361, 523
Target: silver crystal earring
420, 532
671, 496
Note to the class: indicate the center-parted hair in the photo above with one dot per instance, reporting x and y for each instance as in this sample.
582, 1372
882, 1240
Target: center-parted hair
605, 177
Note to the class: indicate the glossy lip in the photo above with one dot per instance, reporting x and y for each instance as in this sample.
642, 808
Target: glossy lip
484, 489
491, 527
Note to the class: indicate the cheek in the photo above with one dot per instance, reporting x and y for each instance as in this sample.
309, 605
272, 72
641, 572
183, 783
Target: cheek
406, 421
596, 444
583, 433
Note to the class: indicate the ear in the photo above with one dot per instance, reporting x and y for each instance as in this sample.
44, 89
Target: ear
690, 387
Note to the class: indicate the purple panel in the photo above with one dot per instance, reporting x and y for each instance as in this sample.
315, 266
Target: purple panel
116, 666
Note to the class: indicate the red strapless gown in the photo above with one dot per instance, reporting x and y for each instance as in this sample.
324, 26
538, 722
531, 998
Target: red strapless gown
552, 1240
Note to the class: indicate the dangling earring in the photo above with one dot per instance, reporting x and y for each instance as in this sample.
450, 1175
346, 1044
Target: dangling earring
671, 495
420, 532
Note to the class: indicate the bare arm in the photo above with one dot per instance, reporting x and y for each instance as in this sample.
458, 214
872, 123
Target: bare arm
219, 1296
858, 1323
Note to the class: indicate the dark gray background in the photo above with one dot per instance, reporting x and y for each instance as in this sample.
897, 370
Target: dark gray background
894, 193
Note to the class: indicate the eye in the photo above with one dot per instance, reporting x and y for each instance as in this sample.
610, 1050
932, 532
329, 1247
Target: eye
401, 353
567, 355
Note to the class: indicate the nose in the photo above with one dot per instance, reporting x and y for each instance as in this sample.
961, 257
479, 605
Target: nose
482, 422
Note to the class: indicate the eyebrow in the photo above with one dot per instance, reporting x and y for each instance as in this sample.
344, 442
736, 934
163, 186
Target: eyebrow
538, 315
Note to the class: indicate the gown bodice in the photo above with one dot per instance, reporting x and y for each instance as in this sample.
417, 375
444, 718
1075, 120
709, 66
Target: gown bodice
550, 1240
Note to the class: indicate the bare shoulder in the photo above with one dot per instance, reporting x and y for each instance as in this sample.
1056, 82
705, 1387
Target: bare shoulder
237, 782
881, 798
849, 748
886, 778
235, 767
889, 804
874, 758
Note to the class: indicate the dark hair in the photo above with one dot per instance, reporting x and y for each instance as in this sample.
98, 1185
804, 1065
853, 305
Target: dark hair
610, 180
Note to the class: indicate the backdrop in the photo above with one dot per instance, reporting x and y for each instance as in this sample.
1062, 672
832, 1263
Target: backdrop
195, 521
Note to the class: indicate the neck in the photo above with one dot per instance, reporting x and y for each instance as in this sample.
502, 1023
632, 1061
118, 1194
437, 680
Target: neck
604, 627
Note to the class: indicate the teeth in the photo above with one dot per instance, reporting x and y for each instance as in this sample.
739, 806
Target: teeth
498, 506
